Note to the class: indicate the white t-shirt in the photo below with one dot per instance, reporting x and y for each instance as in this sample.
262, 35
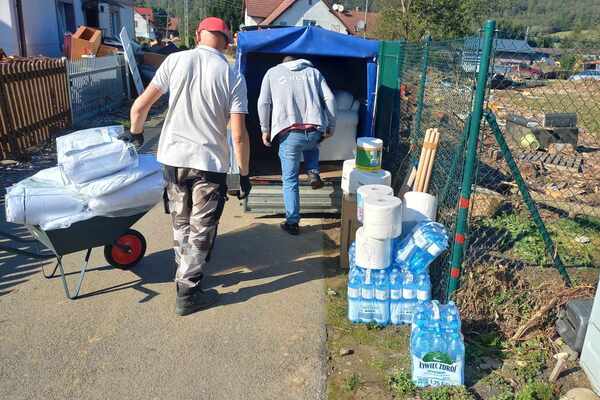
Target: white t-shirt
203, 91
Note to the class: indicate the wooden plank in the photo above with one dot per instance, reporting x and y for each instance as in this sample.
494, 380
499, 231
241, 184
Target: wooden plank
538, 156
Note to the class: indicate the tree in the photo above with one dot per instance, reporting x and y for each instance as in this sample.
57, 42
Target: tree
442, 19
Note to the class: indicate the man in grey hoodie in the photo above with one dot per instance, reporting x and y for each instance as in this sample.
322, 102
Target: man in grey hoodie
297, 107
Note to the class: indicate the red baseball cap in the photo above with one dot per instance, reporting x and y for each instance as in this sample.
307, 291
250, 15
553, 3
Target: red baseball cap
214, 24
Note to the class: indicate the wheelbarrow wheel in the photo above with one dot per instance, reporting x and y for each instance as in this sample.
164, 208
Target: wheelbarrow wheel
127, 250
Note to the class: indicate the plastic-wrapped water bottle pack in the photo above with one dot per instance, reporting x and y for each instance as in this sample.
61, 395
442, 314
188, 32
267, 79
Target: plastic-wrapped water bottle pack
392, 294
437, 345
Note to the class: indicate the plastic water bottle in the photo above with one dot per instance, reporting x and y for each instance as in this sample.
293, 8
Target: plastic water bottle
416, 252
367, 309
456, 348
423, 287
382, 297
352, 255
451, 318
354, 293
395, 296
409, 298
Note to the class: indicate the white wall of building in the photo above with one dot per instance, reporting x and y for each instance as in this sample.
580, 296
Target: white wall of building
9, 40
106, 16
143, 28
251, 21
310, 10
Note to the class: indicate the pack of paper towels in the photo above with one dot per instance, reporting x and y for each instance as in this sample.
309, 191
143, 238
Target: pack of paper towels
353, 178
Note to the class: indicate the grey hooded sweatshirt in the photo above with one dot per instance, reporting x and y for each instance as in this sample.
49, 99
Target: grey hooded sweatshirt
295, 93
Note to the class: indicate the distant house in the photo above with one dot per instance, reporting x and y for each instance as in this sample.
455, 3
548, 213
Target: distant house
143, 20
37, 27
308, 13
110, 16
507, 53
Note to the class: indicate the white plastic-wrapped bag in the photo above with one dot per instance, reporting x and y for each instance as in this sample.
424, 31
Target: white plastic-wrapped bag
147, 165
30, 204
98, 161
86, 138
138, 196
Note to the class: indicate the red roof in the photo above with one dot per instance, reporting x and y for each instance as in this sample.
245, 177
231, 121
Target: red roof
145, 12
350, 19
285, 4
261, 8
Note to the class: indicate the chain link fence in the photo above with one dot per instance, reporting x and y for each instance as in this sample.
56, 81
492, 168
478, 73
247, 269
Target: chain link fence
547, 109
436, 92
97, 85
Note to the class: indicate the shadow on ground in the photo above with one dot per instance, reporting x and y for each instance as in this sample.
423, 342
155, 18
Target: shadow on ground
258, 252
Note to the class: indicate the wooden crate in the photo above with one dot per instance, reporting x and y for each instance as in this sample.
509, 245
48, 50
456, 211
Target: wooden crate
349, 227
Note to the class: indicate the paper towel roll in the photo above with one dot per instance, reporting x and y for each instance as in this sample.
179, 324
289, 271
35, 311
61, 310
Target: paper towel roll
417, 208
369, 190
353, 178
383, 217
347, 169
372, 253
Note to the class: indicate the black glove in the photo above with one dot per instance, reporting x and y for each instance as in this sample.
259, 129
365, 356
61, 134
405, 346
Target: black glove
135, 139
245, 187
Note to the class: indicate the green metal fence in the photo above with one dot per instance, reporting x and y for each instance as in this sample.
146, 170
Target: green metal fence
517, 172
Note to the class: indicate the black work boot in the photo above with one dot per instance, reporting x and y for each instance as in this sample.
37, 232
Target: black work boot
292, 229
192, 299
315, 181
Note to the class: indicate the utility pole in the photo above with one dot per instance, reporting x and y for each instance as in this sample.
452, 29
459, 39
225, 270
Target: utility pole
366, 12
186, 13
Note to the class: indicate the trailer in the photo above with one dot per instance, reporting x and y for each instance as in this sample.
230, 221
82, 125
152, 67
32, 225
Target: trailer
348, 64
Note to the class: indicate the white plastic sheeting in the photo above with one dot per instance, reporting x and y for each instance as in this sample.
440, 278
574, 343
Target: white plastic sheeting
98, 161
86, 138
142, 194
147, 165
32, 204
97, 175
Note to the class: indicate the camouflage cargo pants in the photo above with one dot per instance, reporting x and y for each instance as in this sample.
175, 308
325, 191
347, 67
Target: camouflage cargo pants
196, 201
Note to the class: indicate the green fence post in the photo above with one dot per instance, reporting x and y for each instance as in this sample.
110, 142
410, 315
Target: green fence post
471, 158
422, 83
533, 210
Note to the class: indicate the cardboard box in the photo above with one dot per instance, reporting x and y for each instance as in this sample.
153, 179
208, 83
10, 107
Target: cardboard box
86, 41
349, 227
105, 50
153, 59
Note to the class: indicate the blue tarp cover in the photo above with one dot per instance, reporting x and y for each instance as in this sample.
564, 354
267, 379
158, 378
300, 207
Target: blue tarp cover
347, 62
309, 40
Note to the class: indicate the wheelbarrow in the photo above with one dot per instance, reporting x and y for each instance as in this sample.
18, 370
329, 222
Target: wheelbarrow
123, 246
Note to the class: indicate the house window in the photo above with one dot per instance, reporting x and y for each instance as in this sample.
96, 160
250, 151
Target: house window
115, 22
309, 22
310, 2
66, 17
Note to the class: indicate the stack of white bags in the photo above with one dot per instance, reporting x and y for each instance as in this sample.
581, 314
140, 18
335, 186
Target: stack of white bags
97, 175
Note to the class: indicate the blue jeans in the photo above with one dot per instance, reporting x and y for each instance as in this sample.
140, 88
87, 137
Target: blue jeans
291, 147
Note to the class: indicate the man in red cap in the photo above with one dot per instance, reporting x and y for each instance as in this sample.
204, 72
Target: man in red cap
204, 95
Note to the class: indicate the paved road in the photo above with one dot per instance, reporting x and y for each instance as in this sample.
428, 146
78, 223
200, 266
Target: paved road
265, 340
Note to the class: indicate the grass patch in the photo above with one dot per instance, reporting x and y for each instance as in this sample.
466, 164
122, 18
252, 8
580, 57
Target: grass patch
536, 391
524, 241
530, 359
352, 383
446, 393
401, 385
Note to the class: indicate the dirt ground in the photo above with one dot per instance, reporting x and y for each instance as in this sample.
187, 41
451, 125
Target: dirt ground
373, 362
